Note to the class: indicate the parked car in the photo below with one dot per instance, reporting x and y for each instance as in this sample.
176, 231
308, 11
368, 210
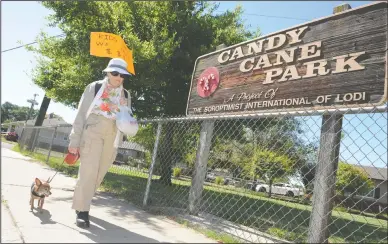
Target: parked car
210, 177
231, 181
12, 136
252, 185
280, 189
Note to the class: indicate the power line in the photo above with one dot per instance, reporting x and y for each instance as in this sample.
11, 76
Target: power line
30, 43
279, 17
269, 16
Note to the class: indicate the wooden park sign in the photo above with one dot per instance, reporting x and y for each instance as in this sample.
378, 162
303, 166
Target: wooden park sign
334, 62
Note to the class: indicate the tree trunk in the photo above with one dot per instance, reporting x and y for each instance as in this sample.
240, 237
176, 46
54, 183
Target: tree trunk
270, 188
42, 111
351, 203
167, 155
39, 121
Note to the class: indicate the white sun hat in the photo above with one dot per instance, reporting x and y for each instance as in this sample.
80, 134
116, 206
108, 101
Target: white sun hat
118, 65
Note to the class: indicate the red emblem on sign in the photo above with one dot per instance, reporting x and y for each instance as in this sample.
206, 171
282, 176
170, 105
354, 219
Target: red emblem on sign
208, 82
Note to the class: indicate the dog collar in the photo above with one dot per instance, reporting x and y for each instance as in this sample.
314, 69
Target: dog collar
36, 194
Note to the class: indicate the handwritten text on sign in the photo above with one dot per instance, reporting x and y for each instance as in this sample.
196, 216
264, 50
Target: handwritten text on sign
110, 45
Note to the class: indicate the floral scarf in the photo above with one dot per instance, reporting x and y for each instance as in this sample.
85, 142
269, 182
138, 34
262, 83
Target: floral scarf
107, 104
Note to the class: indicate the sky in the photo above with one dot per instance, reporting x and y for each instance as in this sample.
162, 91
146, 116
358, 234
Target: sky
23, 21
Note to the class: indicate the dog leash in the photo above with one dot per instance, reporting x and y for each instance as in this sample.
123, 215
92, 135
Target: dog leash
70, 159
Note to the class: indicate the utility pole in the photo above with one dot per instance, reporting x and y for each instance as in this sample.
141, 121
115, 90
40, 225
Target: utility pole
33, 102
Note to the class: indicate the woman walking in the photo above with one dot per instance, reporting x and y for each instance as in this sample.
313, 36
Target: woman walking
95, 135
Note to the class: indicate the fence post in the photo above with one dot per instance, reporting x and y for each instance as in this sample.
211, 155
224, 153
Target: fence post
150, 172
36, 135
326, 172
20, 140
51, 144
325, 177
201, 162
200, 166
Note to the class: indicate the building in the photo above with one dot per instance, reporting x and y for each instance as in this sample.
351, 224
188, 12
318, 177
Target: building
131, 153
379, 178
47, 134
56, 131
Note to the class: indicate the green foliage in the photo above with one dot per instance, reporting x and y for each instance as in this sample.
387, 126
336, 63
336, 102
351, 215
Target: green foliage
166, 38
13, 112
308, 167
269, 166
353, 180
177, 172
230, 154
145, 136
287, 235
219, 180
190, 156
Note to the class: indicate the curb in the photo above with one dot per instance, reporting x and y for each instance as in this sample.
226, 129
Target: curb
12, 219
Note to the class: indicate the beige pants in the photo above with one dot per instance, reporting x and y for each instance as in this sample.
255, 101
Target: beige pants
97, 154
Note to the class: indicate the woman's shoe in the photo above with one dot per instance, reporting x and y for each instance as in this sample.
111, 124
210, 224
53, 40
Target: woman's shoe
83, 219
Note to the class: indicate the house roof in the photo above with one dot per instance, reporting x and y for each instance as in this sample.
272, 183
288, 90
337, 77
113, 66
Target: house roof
374, 172
49, 122
132, 146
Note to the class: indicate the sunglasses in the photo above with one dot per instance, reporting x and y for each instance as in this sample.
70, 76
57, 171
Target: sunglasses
115, 73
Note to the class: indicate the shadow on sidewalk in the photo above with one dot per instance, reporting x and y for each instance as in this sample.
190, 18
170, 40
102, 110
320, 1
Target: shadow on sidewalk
122, 209
44, 216
101, 231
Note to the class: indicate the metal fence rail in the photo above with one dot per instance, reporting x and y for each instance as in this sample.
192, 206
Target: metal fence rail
263, 178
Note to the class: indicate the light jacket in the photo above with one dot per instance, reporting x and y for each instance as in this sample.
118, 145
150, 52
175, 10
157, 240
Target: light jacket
84, 107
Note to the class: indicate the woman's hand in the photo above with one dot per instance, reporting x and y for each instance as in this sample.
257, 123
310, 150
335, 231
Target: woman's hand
74, 150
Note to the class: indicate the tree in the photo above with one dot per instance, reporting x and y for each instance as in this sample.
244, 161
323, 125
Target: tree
269, 165
352, 180
13, 112
307, 172
308, 157
166, 38
231, 155
146, 138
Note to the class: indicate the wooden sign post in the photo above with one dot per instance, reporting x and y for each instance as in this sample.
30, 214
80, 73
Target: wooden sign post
200, 164
326, 172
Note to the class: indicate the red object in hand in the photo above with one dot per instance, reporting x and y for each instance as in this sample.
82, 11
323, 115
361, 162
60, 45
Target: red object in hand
71, 158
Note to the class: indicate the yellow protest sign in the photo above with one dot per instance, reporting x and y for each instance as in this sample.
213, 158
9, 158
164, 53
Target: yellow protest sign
104, 44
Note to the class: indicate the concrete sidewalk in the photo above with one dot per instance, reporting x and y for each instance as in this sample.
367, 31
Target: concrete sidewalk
9, 232
112, 220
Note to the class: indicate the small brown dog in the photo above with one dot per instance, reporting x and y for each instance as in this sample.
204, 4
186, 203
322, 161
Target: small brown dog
39, 190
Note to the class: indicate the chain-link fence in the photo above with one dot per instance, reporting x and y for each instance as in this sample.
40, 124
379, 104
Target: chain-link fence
264, 178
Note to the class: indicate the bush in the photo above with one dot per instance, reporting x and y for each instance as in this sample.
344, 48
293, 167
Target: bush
177, 172
219, 180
